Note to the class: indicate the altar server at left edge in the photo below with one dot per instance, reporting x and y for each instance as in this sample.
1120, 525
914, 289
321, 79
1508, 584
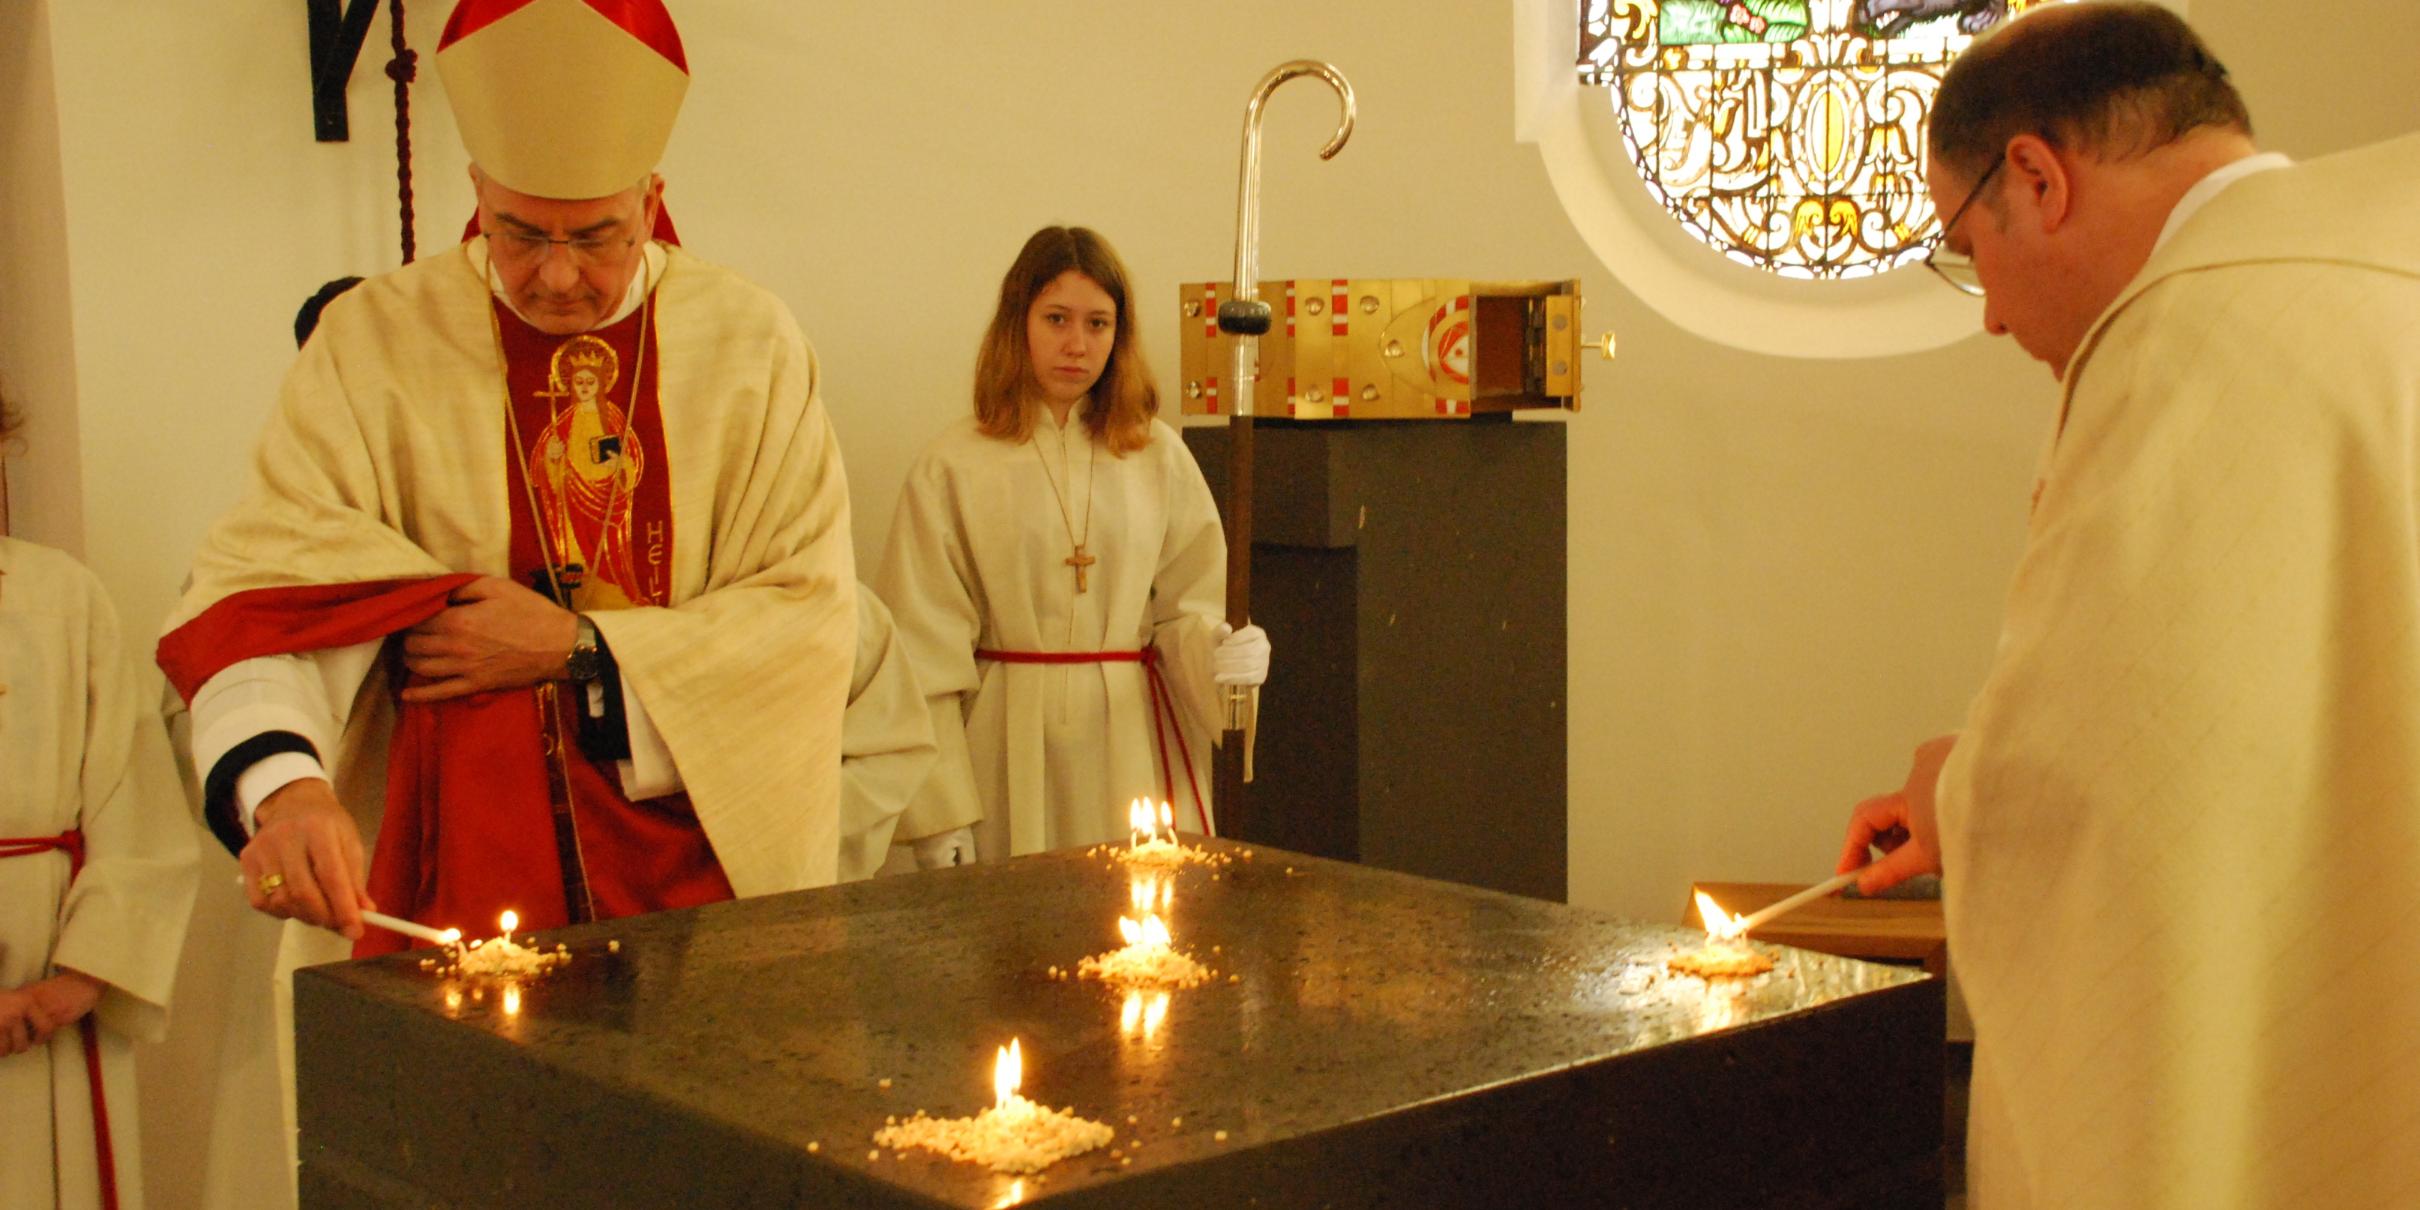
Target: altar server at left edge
97, 863
543, 574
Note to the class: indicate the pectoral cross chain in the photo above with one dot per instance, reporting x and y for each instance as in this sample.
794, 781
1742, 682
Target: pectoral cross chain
1079, 560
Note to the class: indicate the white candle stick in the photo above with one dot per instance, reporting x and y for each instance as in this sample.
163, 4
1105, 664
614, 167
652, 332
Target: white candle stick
409, 929
393, 925
1794, 902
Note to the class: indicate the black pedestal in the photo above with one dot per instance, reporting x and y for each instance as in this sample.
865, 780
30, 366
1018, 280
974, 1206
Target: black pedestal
1411, 577
1385, 1041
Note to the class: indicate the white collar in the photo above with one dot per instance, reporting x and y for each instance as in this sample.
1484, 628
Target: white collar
2210, 186
652, 271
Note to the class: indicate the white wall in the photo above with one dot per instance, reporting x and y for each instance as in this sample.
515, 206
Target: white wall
200, 213
1783, 572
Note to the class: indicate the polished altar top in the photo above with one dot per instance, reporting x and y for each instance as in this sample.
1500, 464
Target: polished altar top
1362, 1024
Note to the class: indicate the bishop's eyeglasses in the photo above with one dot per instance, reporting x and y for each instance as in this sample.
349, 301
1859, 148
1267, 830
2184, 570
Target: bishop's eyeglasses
1952, 267
587, 251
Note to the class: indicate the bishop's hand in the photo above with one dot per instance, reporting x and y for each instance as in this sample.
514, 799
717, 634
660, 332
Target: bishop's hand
494, 634
306, 861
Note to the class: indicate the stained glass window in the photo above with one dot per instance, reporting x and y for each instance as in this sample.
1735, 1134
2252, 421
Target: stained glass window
1786, 134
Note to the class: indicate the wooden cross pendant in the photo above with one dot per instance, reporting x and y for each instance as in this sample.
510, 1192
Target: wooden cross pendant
1080, 561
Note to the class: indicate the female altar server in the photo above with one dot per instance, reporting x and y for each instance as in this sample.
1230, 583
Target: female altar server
97, 866
1058, 574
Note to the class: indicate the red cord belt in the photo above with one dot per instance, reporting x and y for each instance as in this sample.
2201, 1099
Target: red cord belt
71, 842
1163, 711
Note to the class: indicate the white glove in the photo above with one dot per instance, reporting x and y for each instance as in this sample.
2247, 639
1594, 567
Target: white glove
1242, 656
945, 849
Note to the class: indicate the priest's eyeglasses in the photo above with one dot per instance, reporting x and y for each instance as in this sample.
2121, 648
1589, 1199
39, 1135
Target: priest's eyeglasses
587, 251
1952, 267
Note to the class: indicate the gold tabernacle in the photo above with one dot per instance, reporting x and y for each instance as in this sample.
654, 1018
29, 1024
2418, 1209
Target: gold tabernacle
1391, 348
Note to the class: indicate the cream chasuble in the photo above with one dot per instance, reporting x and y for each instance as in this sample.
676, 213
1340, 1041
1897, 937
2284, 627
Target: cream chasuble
82, 748
2181, 829
1049, 756
386, 460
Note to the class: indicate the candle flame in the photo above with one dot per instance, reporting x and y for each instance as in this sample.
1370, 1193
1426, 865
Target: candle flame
1720, 925
1008, 1071
510, 920
453, 936
1146, 828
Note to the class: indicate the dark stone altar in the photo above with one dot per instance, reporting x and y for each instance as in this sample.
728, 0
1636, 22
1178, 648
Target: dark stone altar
1385, 1040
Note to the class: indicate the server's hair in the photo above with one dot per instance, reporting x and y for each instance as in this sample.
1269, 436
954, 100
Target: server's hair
1122, 403
2111, 79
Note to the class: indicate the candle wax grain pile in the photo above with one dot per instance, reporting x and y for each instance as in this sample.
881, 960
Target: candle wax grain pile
1018, 1136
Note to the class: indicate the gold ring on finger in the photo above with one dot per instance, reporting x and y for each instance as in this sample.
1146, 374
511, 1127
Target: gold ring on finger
271, 884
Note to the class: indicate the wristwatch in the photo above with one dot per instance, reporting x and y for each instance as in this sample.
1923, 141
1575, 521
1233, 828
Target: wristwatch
586, 661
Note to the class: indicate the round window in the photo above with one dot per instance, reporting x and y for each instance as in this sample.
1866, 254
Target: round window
1787, 135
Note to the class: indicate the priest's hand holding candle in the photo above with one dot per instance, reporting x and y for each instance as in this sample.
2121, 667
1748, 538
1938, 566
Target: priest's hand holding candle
1906, 813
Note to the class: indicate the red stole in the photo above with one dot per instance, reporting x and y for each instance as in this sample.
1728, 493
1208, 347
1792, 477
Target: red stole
591, 461
469, 828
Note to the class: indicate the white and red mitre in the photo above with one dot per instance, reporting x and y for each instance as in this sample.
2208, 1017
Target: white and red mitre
569, 99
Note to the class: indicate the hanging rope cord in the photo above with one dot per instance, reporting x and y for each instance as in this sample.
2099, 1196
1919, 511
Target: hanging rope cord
402, 69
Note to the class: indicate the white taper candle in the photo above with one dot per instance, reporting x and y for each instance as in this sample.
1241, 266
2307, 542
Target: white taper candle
1794, 902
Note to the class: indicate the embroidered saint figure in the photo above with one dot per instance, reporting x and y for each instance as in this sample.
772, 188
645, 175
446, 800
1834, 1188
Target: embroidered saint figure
586, 468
